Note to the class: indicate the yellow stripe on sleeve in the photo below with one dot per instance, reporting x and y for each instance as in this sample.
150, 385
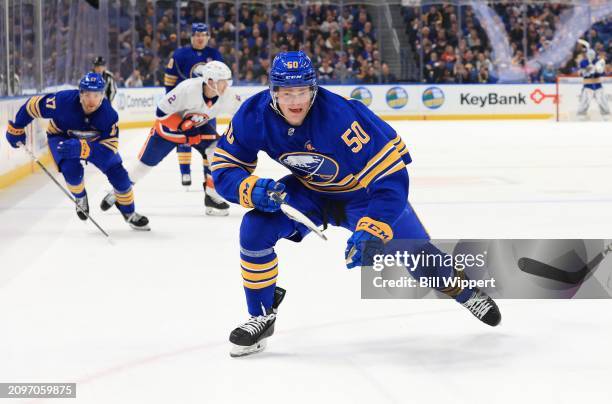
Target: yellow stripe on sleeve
379, 168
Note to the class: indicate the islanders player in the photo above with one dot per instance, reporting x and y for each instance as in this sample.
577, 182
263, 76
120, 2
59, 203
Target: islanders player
82, 127
183, 117
183, 65
348, 169
592, 69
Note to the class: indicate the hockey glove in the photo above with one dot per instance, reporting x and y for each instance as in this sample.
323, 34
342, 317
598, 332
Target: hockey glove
15, 136
73, 149
255, 193
191, 121
366, 242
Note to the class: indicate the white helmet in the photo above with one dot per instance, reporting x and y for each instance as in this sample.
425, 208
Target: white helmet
214, 71
591, 55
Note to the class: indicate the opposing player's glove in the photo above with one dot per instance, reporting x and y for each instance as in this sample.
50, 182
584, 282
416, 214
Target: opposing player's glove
366, 242
257, 193
73, 149
191, 121
15, 136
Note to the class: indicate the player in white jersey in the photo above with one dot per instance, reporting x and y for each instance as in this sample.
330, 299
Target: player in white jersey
592, 69
183, 117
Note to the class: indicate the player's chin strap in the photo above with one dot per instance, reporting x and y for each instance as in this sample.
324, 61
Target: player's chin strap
275, 107
216, 87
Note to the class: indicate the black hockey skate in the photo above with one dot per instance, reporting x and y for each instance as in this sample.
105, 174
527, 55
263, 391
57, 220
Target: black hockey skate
137, 221
483, 308
250, 337
82, 205
108, 201
215, 206
186, 180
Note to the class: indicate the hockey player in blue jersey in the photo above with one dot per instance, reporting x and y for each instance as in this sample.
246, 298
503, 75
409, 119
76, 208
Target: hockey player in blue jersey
183, 65
82, 127
348, 169
592, 69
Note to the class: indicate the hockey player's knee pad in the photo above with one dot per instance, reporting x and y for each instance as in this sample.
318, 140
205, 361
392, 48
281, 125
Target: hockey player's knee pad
118, 176
261, 230
72, 170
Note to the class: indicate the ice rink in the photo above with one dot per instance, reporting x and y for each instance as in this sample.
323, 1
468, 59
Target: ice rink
147, 319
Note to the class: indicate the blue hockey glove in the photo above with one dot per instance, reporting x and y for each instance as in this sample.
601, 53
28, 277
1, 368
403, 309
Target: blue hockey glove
73, 149
256, 193
15, 136
366, 242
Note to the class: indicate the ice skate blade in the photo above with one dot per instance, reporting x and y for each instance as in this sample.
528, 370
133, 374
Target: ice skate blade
142, 228
216, 212
239, 350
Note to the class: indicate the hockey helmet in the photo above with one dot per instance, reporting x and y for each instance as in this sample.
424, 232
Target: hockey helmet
99, 61
92, 82
199, 27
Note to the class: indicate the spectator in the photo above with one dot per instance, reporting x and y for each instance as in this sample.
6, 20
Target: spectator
134, 80
549, 74
386, 76
326, 72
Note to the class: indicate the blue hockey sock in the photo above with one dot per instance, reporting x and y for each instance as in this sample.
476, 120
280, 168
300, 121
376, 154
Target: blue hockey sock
259, 272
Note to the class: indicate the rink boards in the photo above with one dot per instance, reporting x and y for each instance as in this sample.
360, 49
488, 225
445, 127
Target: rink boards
136, 108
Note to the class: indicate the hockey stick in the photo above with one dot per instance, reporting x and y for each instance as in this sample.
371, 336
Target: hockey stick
41, 165
294, 214
543, 270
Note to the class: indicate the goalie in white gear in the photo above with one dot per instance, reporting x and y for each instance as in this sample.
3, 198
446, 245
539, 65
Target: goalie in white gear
183, 117
592, 69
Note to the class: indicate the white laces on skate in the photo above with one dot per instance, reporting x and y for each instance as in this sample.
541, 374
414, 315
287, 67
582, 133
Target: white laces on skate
82, 203
256, 324
478, 304
134, 217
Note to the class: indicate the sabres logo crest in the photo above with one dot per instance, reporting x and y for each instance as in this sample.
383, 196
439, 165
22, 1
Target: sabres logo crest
313, 167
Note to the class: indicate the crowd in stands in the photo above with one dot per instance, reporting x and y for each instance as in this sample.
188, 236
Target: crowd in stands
451, 46
448, 42
341, 41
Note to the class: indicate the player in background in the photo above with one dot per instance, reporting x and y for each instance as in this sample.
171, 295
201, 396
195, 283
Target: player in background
183, 117
348, 169
110, 90
181, 66
82, 127
592, 69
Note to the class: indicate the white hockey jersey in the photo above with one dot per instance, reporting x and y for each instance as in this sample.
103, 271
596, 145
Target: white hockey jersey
187, 98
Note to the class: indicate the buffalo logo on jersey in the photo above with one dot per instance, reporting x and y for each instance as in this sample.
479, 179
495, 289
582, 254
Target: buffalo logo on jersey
84, 134
312, 167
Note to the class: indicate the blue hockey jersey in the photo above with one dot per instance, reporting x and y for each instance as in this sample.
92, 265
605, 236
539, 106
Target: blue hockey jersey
183, 62
67, 118
342, 150
591, 74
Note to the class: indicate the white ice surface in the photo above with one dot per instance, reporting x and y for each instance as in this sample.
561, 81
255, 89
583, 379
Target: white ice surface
146, 320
